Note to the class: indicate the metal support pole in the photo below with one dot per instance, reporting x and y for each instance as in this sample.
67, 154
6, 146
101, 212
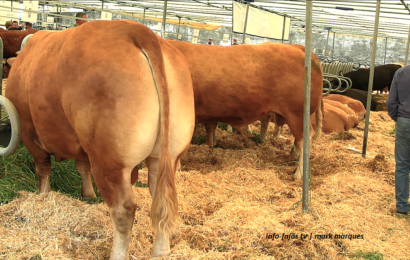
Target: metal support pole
306, 115
164, 19
333, 48
370, 87
385, 52
246, 22
327, 41
102, 5
407, 49
284, 27
179, 25
143, 16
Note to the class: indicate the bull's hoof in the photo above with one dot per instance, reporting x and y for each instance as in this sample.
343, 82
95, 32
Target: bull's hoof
161, 245
292, 157
298, 175
160, 253
88, 195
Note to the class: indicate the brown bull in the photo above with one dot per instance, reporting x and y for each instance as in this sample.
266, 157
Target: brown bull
11, 44
12, 41
337, 118
354, 104
353, 120
108, 94
238, 85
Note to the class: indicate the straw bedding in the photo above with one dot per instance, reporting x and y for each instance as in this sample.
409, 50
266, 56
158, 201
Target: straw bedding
230, 198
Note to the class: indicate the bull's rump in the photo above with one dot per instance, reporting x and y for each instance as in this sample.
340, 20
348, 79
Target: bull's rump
238, 84
79, 88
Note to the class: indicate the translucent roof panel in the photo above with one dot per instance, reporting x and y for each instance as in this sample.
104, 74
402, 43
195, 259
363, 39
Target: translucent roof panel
344, 17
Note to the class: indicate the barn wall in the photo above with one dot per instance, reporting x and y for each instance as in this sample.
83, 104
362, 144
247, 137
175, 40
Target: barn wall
355, 48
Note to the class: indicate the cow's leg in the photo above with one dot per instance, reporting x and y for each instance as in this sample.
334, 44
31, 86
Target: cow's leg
41, 158
213, 137
248, 128
296, 127
210, 132
43, 170
229, 129
134, 175
115, 187
84, 169
179, 166
299, 153
264, 125
277, 131
279, 122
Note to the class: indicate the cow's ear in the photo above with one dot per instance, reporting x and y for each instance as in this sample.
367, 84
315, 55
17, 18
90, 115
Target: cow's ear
10, 61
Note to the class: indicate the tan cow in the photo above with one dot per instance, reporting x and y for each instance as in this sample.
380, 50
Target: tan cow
108, 94
354, 104
335, 120
353, 120
240, 84
338, 117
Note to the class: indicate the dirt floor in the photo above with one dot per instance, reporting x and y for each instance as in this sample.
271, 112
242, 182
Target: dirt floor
239, 201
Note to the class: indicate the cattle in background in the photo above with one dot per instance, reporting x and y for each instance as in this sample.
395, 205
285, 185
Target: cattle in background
356, 105
352, 117
361, 96
383, 76
108, 108
12, 43
238, 85
338, 117
335, 120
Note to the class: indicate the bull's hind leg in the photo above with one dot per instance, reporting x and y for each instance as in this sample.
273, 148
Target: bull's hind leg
115, 187
43, 170
210, 128
264, 125
84, 169
41, 158
298, 152
279, 122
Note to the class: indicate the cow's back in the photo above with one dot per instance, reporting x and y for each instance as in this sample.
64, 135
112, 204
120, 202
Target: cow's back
355, 105
335, 120
239, 84
383, 76
353, 120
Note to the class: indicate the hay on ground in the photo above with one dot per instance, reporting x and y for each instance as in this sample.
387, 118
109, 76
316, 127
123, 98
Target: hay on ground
230, 198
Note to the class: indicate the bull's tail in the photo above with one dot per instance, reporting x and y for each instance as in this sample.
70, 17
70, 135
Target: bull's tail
320, 113
165, 203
